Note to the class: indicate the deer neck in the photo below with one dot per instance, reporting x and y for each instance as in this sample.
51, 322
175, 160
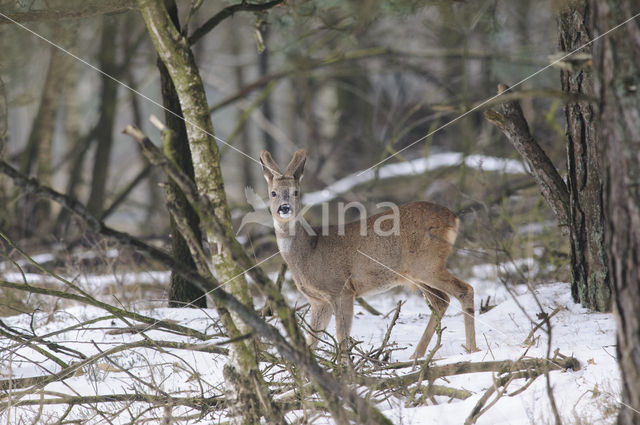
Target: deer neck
292, 242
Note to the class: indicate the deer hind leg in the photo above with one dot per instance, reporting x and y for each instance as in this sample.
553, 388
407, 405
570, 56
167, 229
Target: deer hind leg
320, 315
463, 292
439, 301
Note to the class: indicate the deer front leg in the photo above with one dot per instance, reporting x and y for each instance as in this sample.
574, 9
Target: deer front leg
343, 311
320, 316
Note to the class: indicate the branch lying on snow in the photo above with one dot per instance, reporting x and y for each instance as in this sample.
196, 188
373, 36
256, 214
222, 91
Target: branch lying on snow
512, 123
118, 312
36, 382
200, 403
500, 384
529, 339
460, 368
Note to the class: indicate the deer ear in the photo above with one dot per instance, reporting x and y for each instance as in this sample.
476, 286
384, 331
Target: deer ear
269, 167
296, 166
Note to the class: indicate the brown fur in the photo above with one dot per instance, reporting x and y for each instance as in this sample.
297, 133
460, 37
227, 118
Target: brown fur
332, 270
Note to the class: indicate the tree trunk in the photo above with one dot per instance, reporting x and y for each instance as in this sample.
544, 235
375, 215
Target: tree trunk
579, 205
81, 147
617, 60
590, 284
37, 158
266, 107
247, 397
181, 291
4, 130
243, 133
104, 129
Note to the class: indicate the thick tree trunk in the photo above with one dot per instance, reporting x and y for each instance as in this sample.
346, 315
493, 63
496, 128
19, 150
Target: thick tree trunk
579, 203
104, 129
590, 284
181, 291
247, 397
617, 60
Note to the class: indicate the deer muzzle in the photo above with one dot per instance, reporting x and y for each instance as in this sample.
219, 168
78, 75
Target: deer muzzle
285, 211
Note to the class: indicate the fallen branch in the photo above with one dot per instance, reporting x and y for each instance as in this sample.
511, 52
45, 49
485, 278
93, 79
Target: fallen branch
118, 312
461, 368
548, 317
368, 307
41, 381
200, 403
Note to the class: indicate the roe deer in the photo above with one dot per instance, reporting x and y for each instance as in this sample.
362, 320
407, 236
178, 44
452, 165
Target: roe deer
334, 268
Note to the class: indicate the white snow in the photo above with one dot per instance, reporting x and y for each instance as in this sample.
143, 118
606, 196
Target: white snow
91, 282
587, 393
415, 167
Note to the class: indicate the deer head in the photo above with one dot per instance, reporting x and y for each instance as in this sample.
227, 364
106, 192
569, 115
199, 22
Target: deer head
284, 188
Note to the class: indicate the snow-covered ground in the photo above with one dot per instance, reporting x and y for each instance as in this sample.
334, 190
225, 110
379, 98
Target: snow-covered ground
590, 393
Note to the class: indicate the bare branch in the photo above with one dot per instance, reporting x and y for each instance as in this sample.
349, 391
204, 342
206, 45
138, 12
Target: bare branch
514, 125
199, 403
151, 322
71, 10
228, 12
460, 368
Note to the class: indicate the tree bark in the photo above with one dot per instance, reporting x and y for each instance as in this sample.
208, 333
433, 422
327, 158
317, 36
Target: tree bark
590, 283
617, 61
181, 291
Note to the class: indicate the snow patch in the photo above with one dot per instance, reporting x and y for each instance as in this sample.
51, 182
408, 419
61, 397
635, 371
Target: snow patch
415, 167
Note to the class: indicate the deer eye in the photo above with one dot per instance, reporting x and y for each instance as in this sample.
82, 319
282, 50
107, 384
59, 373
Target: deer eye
273, 194
295, 193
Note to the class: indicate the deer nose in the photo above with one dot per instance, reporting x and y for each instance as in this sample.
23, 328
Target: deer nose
284, 209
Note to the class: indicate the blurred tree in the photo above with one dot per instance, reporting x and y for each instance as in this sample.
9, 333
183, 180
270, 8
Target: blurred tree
37, 159
4, 130
263, 71
617, 61
108, 105
241, 132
